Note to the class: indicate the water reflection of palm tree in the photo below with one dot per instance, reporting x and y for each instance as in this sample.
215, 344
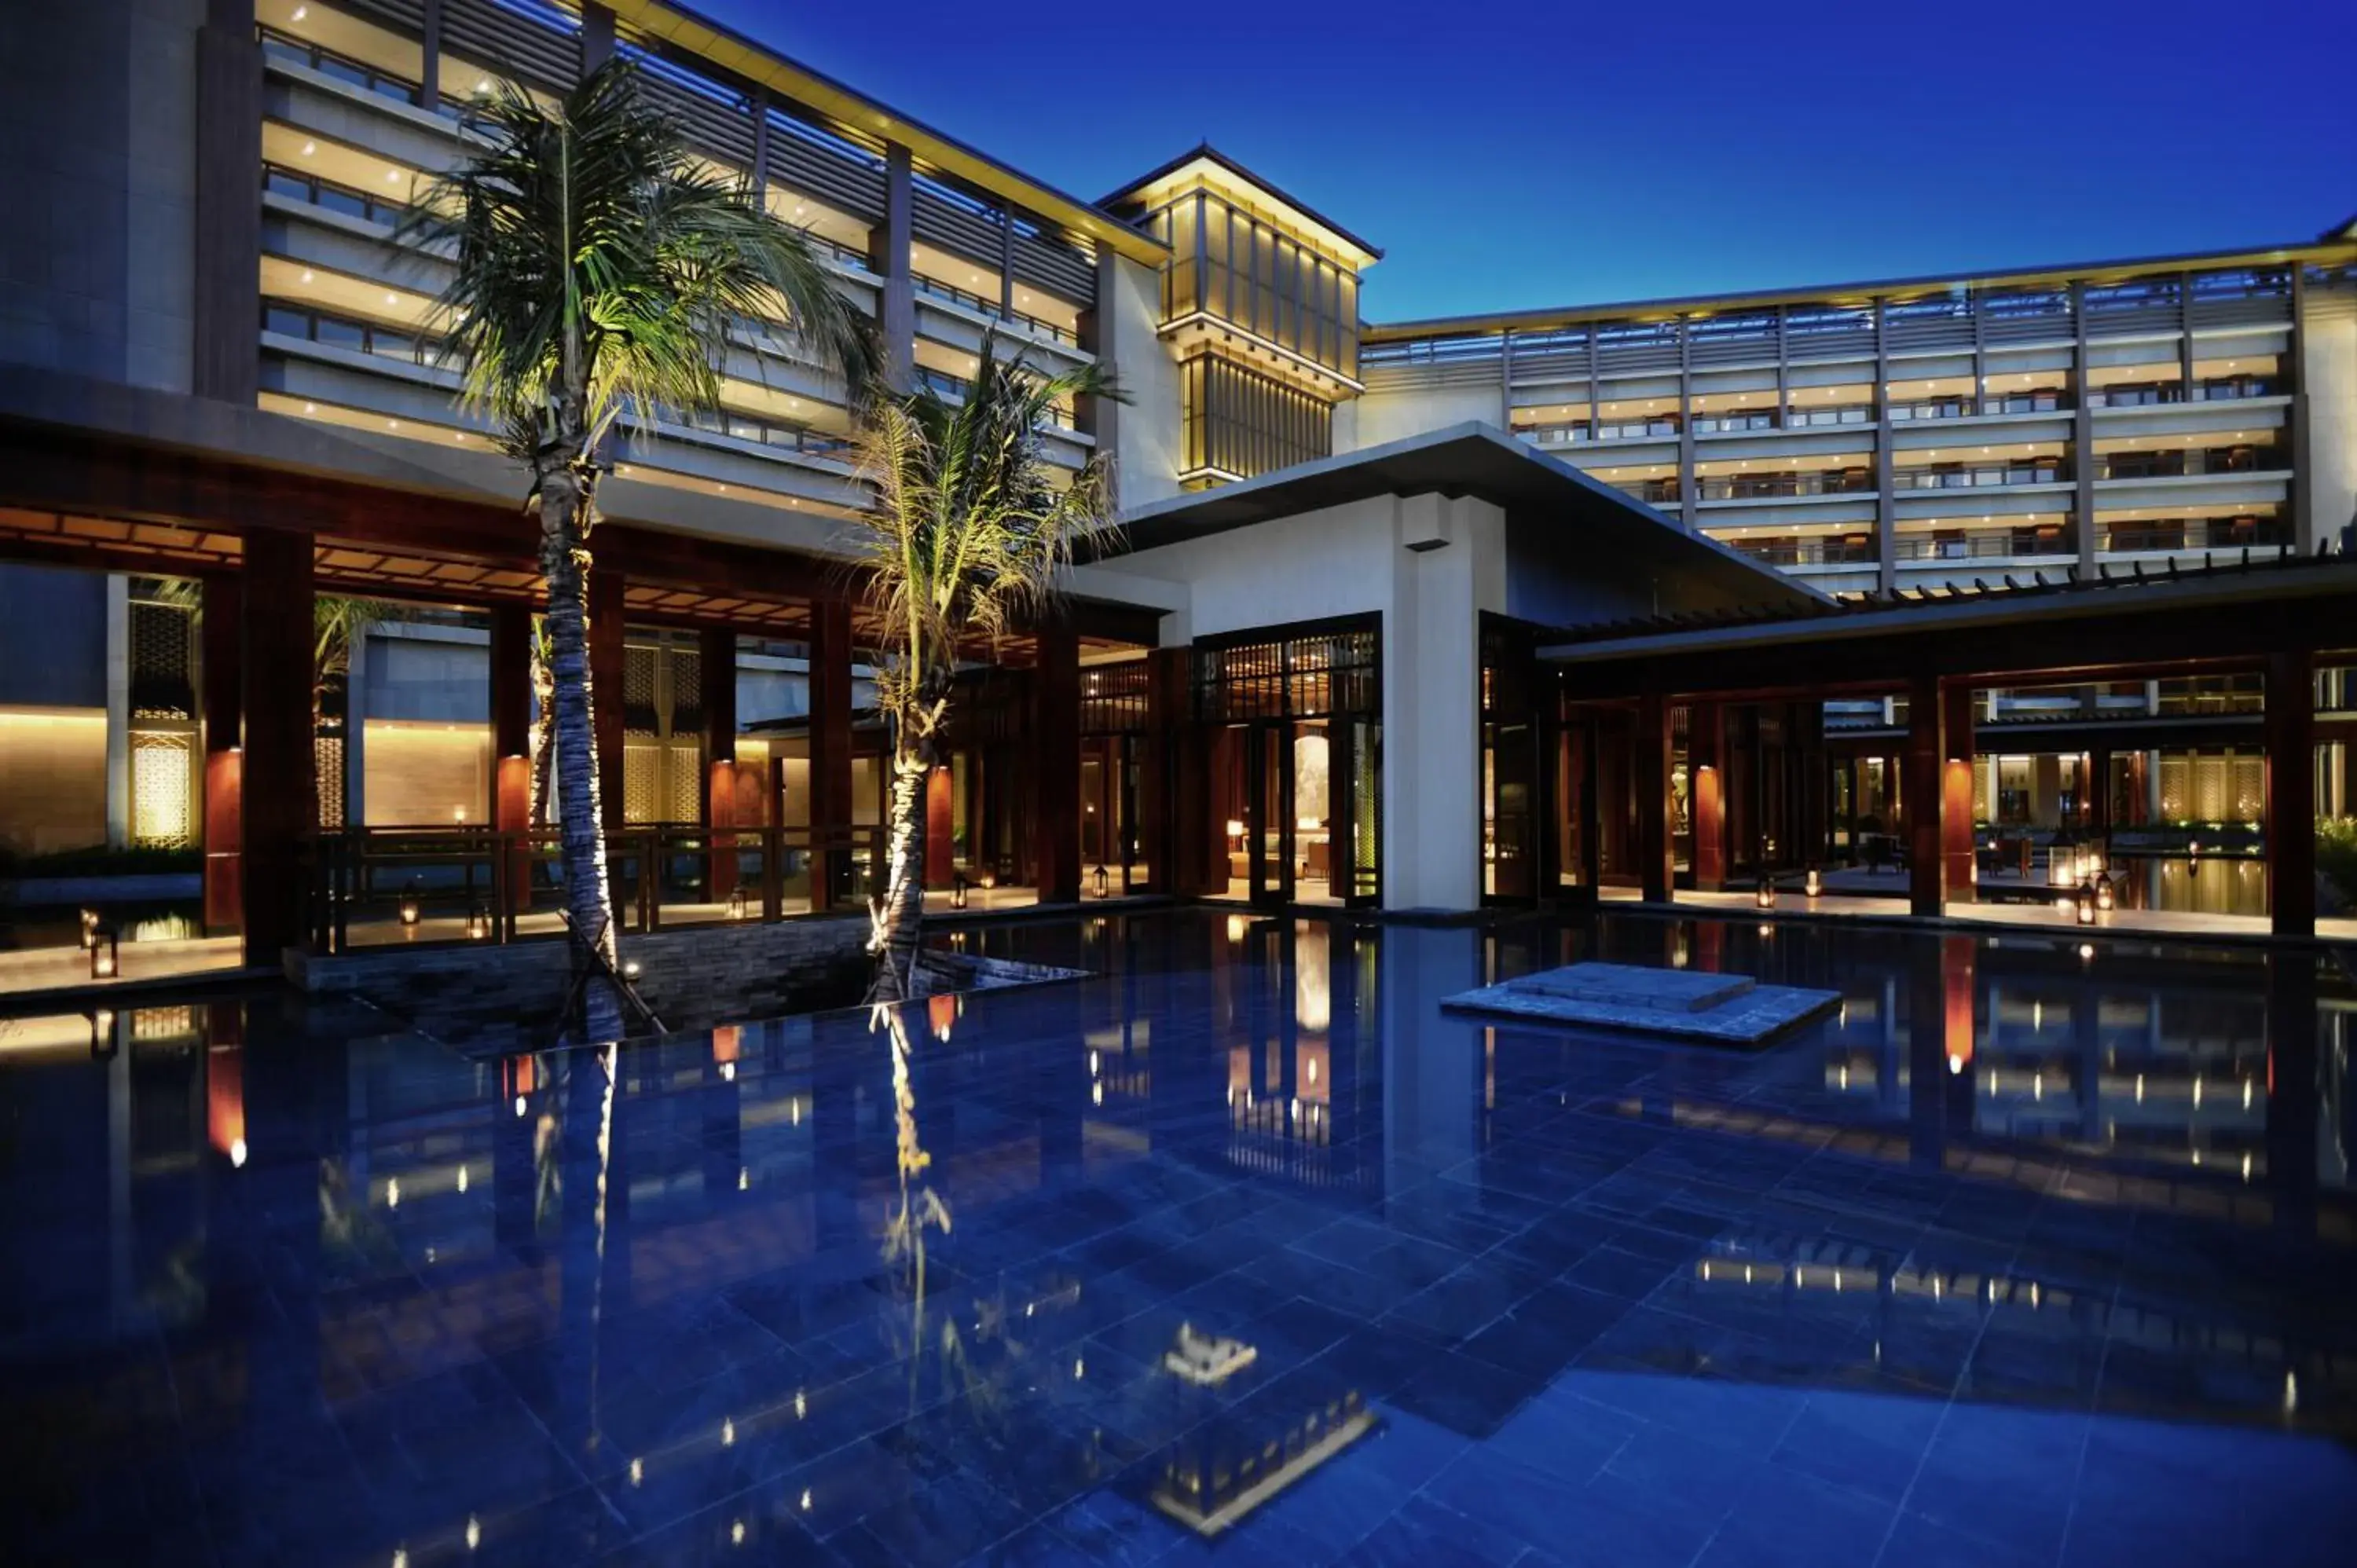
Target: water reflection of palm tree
920, 1207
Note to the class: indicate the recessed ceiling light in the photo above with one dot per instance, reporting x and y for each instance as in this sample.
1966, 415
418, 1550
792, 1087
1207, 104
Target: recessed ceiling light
392, 177
307, 275
310, 408
300, 12
310, 147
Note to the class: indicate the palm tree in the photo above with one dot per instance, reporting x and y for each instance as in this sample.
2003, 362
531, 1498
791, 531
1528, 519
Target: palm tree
599, 271
967, 538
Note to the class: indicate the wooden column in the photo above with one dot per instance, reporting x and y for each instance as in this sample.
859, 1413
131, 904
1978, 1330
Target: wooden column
2099, 794
941, 828
717, 662
1056, 754
605, 690
1706, 792
1926, 863
224, 739
1956, 793
279, 787
1653, 780
829, 747
2291, 793
510, 803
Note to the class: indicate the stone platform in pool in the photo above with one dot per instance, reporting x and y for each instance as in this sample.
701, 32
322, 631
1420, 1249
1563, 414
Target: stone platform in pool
1718, 1009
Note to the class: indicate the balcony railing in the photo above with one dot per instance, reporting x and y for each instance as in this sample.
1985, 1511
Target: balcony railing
956, 388
2148, 395
398, 343
2025, 403
1748, 486
1721, 423
2187, 463
766, 432
991, 307
1933, 408
328, 195
1981, 544
1632, 429
1654, 492
1832, 413
2197, 534
1944, 478
286, 47
1808, 551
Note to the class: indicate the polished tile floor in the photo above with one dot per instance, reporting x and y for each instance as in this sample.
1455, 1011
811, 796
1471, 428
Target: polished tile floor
2034, 1255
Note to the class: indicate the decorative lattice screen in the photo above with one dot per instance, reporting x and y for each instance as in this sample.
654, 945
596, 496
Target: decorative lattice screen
163, 813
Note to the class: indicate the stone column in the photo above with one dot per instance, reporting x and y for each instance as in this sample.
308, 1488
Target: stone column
279, 789
888, 258
2291, 793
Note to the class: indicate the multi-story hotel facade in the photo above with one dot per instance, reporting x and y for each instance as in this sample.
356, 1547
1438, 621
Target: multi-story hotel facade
1339, 655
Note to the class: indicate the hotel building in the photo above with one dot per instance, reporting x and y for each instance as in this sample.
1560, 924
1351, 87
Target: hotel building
1380, 631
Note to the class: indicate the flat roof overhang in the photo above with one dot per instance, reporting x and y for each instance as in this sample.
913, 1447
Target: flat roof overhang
1469, 459
2234, 614
2332, 247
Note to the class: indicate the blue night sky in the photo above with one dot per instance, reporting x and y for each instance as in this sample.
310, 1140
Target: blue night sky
1527, 156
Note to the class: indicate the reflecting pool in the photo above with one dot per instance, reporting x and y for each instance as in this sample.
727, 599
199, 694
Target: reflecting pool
2035, 1251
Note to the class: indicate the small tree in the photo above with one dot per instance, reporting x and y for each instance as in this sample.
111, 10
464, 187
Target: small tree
967, 538
599, 271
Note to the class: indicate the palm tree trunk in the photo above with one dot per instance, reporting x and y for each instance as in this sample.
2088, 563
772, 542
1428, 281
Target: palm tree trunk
567, 499
899, 916
543, 732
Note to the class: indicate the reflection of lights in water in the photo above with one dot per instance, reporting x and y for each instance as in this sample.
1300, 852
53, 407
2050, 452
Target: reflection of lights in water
401, 1557
1235, 928
237, 1151
2291, 1393
1955, 1063
2246, 1164
744, 1179
2038, 1016
1094, 1065
2246, 1094
1096, 1093
2197, 1091
474, 1532
2139, 1089
1313, 989
806, 1499
801, 1407
736, 1532
727, 1432
462, 1179
1309, 1069
393, 1192
728, 1072
2086, 953
638, 1471
519, 1105
1079, 1368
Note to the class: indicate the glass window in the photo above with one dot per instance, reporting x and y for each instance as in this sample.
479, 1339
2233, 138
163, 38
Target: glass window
342, 334
343, 201
278, 182
286, 323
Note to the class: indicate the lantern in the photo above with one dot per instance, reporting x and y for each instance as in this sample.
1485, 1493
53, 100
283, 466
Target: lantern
957, 892
104, 956
1814, 884
409, 908
1765, 897
89, 928
2086, 903
2105, 897
737, 904
1104, 884
479, 923
631, 969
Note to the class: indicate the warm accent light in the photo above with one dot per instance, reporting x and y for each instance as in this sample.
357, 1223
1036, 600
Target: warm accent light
1765, 896
957, 891
2085, 903
104, 955
1104, 883
737, 907
409, 912
2105, 897
1815, 883
479, 923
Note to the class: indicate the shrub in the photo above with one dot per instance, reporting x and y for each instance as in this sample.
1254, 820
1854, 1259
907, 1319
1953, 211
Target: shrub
2336, 855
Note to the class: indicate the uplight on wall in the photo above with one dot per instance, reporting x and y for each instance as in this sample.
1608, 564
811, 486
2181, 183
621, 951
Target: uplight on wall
105, 957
